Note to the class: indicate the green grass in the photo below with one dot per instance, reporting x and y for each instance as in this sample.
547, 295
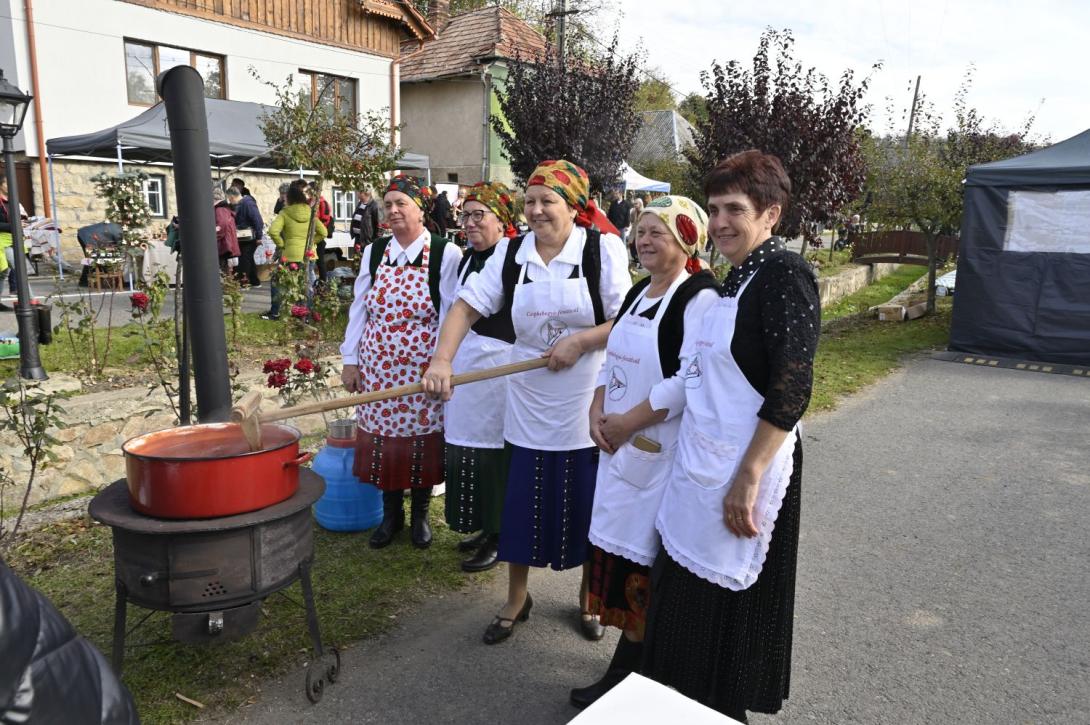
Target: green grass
874, 294
840, 261
857, 353
360, 592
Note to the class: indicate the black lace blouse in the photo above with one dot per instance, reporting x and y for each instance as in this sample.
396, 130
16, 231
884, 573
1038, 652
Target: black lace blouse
776, 334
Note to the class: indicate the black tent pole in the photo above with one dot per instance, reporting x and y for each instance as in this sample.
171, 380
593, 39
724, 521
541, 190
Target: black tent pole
182, 90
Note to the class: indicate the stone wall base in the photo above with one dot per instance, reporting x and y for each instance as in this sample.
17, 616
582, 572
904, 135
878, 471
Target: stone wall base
837, 287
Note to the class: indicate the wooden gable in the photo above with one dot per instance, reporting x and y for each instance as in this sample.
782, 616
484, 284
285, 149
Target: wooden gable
373, 26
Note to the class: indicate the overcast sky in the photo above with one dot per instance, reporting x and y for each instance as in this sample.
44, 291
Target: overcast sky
1024, 52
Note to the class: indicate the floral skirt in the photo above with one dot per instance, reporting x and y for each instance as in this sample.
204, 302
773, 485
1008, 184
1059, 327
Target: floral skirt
620, 590
546, 511
476, 480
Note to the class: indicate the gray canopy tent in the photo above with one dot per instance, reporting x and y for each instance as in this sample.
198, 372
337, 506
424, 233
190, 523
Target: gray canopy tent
234, 136
1023, 279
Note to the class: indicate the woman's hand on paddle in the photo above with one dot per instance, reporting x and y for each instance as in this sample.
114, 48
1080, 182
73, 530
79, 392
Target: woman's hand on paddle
350, 378
437, 380
738, 505
564, 353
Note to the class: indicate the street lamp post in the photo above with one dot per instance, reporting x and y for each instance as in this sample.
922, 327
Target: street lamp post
13, 108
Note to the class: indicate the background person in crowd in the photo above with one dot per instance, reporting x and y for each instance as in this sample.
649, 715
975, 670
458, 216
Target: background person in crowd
440, 213
563, 281
634, 215
324, 216
476, 468
637, 442
404, 286
226, 232
7, 252
249, 227
289, 232
729, 518
365, 220
620, 213
282, 200
241, 186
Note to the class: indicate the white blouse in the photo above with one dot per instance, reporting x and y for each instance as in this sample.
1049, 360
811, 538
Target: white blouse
484, 293
400, 256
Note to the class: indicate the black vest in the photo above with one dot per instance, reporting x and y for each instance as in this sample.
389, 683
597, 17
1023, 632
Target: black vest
591, 265
497, 326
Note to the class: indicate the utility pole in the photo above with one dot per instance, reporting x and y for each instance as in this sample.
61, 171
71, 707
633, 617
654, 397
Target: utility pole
561, 14
912, 113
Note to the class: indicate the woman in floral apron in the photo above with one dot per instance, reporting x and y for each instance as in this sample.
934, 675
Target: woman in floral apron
636, 433
476, 463
404, 286
723, 585
564, 280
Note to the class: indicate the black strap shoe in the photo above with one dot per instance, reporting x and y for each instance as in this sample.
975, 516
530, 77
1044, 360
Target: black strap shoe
421, 529
502, 627
486, 556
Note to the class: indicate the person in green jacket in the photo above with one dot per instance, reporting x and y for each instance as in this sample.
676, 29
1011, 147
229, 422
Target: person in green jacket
289, 231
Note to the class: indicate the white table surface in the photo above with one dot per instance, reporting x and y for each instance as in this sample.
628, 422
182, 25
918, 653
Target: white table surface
641, 700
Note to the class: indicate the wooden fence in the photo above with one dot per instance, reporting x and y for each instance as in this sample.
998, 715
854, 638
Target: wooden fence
900, 247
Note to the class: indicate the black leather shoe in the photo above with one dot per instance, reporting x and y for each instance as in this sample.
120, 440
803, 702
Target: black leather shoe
502, 627
486, 556
591, 627
584, 696
472, 543
384, 534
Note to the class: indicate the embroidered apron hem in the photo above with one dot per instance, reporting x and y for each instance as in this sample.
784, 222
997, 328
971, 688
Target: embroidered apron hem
621, 550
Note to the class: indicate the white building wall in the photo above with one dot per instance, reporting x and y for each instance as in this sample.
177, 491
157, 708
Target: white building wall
81, 60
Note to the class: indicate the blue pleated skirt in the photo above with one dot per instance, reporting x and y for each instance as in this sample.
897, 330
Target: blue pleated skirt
547, 507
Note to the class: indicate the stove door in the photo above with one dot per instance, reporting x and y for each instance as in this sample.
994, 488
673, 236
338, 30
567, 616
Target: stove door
208, 569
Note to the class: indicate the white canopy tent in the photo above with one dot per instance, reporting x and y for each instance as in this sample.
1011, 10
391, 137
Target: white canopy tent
631, 180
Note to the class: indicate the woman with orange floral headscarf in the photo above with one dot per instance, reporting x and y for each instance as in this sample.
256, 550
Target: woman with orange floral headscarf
563, 282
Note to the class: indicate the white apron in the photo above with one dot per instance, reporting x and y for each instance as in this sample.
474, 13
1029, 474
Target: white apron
546, 410
717, 426
631, 482
474, 414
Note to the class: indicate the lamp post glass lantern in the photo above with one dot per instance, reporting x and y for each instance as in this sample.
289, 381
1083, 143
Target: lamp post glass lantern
13, 108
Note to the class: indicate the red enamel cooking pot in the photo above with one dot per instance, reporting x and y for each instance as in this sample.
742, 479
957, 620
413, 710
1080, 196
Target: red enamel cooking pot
208, 470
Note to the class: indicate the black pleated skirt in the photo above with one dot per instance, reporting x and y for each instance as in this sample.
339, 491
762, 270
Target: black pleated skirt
728, 650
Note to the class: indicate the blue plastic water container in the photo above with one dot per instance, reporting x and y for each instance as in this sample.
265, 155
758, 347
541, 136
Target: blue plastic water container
347, 504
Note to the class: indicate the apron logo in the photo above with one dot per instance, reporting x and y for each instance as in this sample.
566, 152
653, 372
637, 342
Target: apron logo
693, 372
618, 383
552, 330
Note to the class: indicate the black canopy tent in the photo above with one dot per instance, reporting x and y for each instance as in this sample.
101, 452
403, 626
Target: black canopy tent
1023, 279
234, 138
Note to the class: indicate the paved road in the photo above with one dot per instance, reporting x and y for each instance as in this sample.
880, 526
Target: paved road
254, 300
943, 579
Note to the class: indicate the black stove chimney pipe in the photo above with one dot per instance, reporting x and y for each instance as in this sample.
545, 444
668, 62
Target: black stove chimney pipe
182, 90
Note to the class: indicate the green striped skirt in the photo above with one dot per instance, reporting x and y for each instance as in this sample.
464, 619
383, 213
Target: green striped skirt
476, 482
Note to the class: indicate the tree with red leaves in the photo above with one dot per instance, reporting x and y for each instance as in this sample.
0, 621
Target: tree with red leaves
795, 113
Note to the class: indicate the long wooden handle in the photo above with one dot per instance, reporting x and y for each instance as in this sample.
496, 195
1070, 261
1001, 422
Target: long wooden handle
411, 389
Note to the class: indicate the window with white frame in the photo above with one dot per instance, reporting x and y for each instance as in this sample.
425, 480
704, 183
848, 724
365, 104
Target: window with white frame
344, 204
155, 194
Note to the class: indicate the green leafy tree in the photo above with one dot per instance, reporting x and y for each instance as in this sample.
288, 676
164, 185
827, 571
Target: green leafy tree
694, 108
916, 182
654, 95
583, 113
346, 149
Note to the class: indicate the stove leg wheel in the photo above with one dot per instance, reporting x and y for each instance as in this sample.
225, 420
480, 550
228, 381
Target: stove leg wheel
333, 670
315, 685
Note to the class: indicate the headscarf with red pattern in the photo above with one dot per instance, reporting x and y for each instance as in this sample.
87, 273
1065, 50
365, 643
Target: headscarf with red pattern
499, 200
573, 185
411, 188
687, 223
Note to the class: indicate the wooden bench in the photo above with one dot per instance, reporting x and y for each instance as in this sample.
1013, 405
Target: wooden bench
900, 247
107, 276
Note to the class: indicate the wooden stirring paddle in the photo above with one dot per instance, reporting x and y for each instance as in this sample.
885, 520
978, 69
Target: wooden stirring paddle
247, 411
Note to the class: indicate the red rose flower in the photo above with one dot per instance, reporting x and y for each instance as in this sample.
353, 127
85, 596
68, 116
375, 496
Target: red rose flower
687, 229
277, 380
314, 315
139, 302
304, 365
300, 311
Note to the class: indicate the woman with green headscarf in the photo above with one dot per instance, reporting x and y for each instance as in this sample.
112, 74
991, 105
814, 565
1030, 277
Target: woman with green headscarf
476, 470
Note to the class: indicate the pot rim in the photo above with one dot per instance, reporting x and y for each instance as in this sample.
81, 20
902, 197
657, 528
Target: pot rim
173, 459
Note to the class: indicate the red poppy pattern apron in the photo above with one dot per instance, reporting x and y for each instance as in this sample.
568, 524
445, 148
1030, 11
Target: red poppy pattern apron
399, 442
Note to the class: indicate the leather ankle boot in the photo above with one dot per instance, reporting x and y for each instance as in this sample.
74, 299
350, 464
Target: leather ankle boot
393, 519
626, 659
421, 530
486, 556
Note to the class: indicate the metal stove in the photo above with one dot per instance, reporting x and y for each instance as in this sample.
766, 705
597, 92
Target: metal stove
213, 574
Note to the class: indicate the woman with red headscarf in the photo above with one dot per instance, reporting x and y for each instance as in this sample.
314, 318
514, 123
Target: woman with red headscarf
563, 282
